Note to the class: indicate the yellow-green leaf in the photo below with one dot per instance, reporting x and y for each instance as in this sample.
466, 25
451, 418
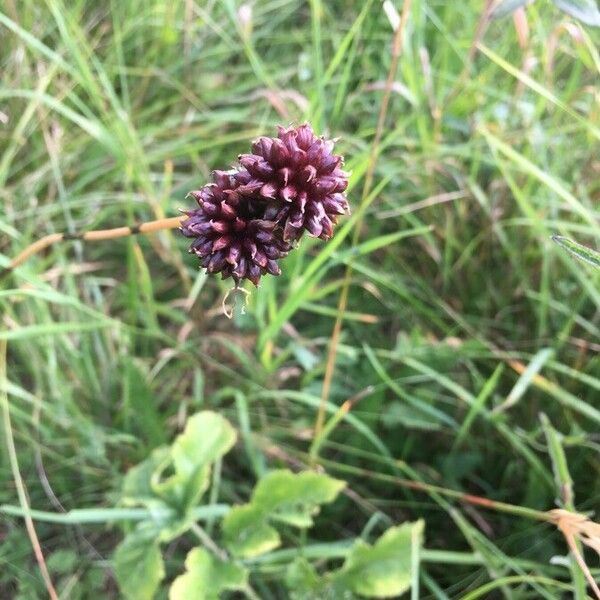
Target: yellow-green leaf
383, 570
206, 577
279, 496
247, 533
138, 565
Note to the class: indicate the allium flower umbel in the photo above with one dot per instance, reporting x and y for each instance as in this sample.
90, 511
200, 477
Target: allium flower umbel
232, 236
300, 173
249, 217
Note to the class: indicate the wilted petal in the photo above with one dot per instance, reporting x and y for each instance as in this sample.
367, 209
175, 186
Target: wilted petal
268, 190
219, 226
260, 258
305, 136
233, 255
216, 262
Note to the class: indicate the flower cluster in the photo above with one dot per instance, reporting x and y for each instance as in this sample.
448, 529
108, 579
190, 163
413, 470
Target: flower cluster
250, 217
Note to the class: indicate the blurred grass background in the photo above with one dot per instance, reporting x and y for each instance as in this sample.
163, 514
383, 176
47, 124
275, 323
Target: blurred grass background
464, 322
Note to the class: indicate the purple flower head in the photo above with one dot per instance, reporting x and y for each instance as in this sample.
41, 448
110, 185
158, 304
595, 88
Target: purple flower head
248, 218
302, 177
232, 236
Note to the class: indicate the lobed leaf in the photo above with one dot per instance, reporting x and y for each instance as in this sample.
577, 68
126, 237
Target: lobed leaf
206, 577
138, 565
246, 532
384, 569
206, 438
279, 496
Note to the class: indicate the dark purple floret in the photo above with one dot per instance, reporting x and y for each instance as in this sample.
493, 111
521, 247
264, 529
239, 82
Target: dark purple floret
232, 235
302, 177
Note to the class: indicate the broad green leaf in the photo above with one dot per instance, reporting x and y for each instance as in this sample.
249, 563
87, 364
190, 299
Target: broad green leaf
206, 438
301, 575
304, 583
137, 488
578, 250
295, 498
584, 10
206, 577
383, 570
138, 565
166, 520
279, 496
246, 532
175, 478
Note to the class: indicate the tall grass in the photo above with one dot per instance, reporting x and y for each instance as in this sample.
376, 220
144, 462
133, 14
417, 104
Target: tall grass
468, 334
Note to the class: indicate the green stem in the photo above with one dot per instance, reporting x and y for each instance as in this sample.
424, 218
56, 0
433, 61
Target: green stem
340, 550
208, 542
16, 473
109, 515
488, 587
511, 509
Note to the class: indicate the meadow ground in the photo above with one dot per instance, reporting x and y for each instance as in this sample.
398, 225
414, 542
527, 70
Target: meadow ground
469, 346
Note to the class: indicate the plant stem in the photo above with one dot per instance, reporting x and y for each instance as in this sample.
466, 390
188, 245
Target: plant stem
512, 509
80, 516
343, 301
92, 236
14, 464
208, 542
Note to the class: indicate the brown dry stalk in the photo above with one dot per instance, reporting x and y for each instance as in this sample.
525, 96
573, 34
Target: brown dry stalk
16, 473
92, 236
575, 526
343, 301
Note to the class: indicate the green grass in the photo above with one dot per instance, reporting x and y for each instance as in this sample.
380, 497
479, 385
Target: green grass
111, 112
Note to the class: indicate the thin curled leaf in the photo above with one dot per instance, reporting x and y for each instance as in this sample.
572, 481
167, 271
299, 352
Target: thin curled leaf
578, 250
585, 11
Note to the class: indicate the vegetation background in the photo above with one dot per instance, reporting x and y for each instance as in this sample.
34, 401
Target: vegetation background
464, 325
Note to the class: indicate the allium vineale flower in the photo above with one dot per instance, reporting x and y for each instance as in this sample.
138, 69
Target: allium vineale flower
299, 171
249, 217
232, 236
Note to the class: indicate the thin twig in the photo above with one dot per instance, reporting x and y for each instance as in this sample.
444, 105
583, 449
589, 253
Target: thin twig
208, 542
14, 465
92, 236
343, 301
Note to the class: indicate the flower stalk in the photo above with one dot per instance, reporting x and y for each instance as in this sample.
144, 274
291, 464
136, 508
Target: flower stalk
91, 236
